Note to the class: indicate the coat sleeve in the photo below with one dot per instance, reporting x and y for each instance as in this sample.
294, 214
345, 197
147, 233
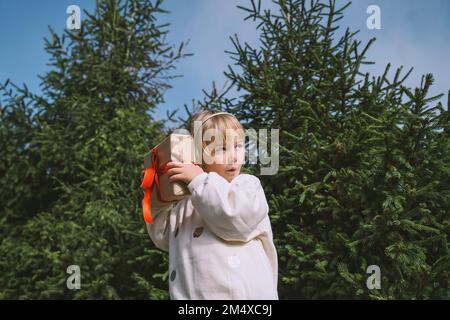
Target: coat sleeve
159, 229
232, 211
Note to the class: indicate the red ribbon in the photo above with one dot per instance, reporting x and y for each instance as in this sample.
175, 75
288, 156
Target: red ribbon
151, 178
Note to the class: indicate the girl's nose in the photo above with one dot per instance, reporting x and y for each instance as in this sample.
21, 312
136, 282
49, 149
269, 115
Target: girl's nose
232, 156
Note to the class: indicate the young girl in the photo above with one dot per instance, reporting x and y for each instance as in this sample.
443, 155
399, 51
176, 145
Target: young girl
219, 238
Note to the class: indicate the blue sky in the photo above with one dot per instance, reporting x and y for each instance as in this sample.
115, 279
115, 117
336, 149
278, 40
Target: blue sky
414, 33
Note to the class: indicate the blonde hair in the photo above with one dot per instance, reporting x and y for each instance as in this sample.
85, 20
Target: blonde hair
221, 123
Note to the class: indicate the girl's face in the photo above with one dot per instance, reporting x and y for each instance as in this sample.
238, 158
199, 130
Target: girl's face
226, 160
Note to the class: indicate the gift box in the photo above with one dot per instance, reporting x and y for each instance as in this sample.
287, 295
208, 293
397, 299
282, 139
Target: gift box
175, 147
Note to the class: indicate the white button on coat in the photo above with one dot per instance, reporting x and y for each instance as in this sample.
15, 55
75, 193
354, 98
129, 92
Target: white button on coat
234, 261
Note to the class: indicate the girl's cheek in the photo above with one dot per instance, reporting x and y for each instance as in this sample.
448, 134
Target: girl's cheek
220, 158
209, 159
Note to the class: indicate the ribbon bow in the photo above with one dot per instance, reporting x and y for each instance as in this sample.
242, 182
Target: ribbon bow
151, 178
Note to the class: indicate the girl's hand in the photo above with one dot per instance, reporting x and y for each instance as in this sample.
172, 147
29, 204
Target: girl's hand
184, 172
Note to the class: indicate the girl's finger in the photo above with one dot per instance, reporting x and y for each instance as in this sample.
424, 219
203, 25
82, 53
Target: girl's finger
173, 164
176, 177
174, 171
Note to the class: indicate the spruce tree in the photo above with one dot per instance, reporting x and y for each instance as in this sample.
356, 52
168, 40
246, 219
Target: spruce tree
73, 156
364, 173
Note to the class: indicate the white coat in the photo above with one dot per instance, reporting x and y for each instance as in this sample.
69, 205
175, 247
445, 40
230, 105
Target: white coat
219, 240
